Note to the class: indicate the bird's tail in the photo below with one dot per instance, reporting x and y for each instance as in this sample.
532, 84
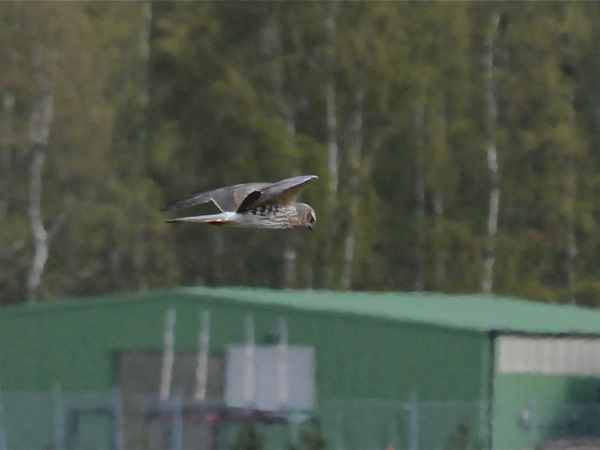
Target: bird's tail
214, 219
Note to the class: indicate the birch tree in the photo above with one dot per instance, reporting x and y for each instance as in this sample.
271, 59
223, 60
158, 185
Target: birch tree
571, 226
141, 234
331, 122
440, 183
411, 116
355, 148
489, 259
39, 134
6, 145
274, 53
577, 32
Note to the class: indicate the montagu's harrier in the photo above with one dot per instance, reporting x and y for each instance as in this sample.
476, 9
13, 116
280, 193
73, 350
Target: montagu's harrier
254, 205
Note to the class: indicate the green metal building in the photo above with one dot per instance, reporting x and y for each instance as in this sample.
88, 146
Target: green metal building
418, 361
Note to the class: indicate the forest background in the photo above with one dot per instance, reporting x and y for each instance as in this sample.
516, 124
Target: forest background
456, 145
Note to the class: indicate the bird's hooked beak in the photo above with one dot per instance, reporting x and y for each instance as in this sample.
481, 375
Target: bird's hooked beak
311, 223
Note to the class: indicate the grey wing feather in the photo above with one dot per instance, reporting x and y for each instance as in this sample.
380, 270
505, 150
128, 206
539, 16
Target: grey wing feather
227, 199
283, 192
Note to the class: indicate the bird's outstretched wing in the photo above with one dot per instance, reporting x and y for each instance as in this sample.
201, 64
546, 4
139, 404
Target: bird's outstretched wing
227, 199
283, 192
243, 197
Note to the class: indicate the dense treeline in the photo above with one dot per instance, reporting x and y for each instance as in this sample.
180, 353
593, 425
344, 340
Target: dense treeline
455, 144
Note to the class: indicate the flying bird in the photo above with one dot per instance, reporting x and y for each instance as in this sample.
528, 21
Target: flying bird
254, 205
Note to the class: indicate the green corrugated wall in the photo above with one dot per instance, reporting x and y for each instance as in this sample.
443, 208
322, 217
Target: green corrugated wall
73, 345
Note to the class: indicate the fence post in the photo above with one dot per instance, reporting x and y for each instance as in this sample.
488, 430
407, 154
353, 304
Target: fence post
59, 417
413, 422
249, 364
202, 365
3, 445
295, 419
177, 422
166, 373
535, 432
118, 441
282, 364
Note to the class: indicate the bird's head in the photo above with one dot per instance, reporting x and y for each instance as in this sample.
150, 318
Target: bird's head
307, 215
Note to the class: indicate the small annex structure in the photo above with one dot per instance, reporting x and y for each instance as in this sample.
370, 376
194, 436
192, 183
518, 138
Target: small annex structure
518, 362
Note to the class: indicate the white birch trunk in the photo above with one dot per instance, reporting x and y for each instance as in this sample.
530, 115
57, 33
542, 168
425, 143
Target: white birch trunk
571, 228
571, 192
331, 104
487, 280
349, 244
331, 123
6, 143
440, 250
332, 169
140, 254
7, 127
39, 133
218, 259
354, 155
290, 259
271, 47
332, 141
40, 235
308, 274
419, 282
290, 252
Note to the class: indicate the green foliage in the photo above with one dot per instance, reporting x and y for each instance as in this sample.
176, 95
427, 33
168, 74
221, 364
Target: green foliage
232, 92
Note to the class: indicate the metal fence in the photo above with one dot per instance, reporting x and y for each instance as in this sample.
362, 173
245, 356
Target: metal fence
378, 424
108, 420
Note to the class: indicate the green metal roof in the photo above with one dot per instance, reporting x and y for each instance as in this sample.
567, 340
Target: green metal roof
468, 312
